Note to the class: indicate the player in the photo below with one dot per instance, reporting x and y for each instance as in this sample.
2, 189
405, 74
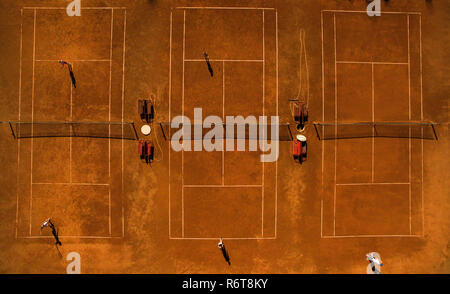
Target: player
375, 263
224, 251
48, 223
72, 76
209, 64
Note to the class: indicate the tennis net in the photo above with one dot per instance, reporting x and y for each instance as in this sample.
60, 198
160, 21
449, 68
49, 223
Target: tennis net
352, 130
109, 130
247, 131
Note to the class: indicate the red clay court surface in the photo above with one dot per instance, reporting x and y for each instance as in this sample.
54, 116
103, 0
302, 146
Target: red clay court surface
350, 197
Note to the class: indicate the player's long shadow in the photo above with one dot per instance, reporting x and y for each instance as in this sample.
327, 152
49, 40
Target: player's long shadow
59, 252
226, 255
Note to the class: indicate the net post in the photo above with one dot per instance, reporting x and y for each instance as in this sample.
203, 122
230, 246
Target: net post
290, 133
434, 131
162, 131
12, 130
134, 129
317, 132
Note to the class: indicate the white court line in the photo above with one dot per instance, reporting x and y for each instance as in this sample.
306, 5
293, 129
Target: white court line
276, 106
370, 236
224, 238
222, 186
372, 62
123, 102
363, 11
109, 118
18, 141
32, 118
263, 110
335, 128
421, 117
74, 60
73, 184
365, 184
63, 8
321, 218
80, 237
323, 95
223, 119
225, 60
70, 139
409, 117
182, 110
235, 8
373, 120
170, 99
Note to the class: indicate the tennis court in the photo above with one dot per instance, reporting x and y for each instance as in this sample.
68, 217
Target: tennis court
357, 172
233, 185
63, 176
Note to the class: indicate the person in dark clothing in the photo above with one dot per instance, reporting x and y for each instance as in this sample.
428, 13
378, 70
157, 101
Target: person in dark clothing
48, 223
72, 76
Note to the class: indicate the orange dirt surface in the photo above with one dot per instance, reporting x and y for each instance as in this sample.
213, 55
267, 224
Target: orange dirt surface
351, 196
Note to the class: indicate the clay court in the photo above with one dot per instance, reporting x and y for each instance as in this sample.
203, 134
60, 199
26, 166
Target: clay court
375, 178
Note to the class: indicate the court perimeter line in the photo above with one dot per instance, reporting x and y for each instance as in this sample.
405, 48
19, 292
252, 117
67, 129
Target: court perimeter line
87, 8
364, 184
74, 184
335, 128
223, 119
224, 238
372, 62
222, 186
109, 117
409, 117
18, 141
370, 236
236, 8
323, 97
32, 118
276, 106
170, 98
421, 117
263, 111
182, 110
123, 103
225, 60
70, 139
75, 60
80, 237
373, 129
364, 11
